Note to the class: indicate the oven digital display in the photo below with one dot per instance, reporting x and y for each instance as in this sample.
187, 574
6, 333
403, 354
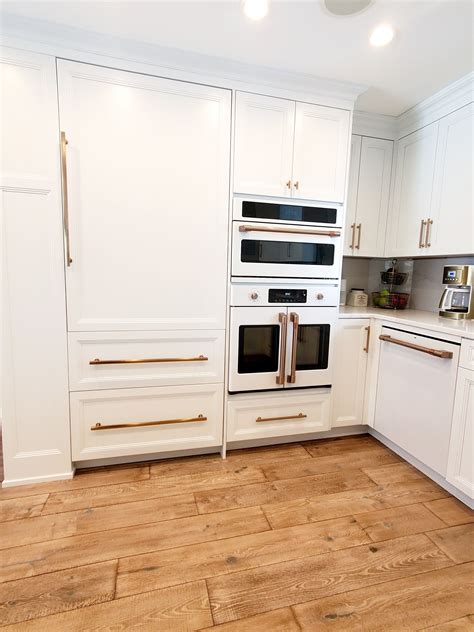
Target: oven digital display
287, 296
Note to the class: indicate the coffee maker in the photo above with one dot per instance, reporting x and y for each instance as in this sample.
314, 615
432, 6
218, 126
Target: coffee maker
457, 300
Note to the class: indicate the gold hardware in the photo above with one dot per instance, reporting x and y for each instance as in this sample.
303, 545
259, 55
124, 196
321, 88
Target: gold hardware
297, 185
138, 424
353, 226
288, 184
434, 352
245, 228
295, 319
64, 142
366, 348
200, 358
420, 240
359, 228
429, 223
298, 416
280, 378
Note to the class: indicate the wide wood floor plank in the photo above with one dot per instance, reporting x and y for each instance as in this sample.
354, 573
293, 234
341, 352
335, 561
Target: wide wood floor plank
247, 593
167, 568
396, 473
25, 507
387, 524
281, 620
342, 445
333, 463
45, 557
280, 491
90, 520
353, 502
451, 511
403, 605
157, 487
457, 542
167, 610
464, 624
57, 592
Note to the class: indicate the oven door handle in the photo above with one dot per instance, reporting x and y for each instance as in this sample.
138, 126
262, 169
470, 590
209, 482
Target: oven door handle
283, 318
295, 319
247, 228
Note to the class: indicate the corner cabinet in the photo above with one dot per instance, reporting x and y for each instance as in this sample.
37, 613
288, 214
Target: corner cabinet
285, 148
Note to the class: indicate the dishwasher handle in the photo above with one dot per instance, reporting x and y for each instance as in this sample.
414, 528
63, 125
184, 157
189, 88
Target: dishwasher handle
438, 353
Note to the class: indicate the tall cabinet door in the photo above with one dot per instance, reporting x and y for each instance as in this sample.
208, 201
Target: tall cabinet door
264, 128
147, 168
412, 192
373, 196
321, 152
453, 218
353, 185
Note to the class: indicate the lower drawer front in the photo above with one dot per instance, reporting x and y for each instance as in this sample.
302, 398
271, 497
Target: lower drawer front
277, 414
187, 417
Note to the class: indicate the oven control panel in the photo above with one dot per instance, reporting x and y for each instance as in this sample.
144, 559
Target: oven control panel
277, 295
266, 294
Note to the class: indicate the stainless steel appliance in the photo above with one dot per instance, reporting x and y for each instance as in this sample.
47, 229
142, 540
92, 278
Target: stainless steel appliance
281, 334
457, 300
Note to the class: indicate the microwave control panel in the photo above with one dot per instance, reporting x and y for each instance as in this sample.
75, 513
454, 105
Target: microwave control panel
287, 296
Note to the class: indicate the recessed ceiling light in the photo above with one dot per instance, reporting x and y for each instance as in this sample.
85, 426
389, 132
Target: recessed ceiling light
256, 9
382, 35
346, 7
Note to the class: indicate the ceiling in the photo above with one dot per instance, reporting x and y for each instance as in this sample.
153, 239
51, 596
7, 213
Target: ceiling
432, 46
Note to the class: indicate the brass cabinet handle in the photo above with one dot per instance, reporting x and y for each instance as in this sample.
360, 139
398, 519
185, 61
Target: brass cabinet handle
298, 416
295, 319
297, 185
429, 223
282, 317
200, 358
246, 228
64, 142
359, 228
138, 424
288, 184
420, 240
367, 341
434, 352
353, 227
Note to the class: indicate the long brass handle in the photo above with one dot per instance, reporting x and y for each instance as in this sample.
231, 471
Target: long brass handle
65, 197
282, 317
138, 424
429, 223
353, 227
434, 352
367, 341
295, 319
422, 228
298, 416
245, 228
359, 228
200, 358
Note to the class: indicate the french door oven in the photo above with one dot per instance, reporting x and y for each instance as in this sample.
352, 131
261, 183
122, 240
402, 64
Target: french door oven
280, 347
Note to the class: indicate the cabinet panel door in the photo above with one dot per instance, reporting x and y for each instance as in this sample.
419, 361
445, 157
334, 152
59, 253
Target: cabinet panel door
350, 360
148, 168
453, 218
461, 453
264, 129
412, 192
373, 196
321, 152
353, 185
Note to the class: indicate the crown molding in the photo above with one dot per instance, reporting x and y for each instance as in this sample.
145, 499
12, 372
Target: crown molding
375, 125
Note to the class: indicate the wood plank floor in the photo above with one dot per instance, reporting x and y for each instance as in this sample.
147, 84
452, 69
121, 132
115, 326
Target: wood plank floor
337, 534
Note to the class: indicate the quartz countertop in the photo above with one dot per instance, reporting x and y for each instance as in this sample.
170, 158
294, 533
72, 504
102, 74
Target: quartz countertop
414, 318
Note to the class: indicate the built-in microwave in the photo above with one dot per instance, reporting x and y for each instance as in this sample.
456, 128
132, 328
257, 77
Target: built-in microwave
268, 210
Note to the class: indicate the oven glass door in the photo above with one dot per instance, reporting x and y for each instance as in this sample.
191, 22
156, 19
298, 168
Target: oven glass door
279, 252
288, 212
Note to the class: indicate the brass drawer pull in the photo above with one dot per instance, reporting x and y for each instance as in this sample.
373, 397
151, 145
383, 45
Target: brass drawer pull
139, 424
200, 358
288, 184
366, 348
429, 223
282, 317
359, 228
65, 197
434, 352
422, 228
245, 228
297, 185
353, 227
298, 416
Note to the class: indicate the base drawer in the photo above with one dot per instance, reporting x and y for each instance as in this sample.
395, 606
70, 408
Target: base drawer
277, 414
145, 420
149, 358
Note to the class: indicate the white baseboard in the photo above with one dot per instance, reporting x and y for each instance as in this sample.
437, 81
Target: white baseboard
14, 482
328, 434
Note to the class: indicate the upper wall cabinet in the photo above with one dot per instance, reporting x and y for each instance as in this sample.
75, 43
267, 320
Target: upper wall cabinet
289, 149
368, 196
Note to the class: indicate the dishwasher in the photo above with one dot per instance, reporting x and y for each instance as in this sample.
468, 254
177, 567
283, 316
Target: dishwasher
415, 394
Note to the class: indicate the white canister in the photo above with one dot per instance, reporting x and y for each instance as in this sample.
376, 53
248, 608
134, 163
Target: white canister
357, 298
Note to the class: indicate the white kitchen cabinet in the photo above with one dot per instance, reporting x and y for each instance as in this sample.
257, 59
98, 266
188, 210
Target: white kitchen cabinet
408, 231
352, 187
350, 367
452, 207
368, 202
289, 149
148, 181
461, 447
